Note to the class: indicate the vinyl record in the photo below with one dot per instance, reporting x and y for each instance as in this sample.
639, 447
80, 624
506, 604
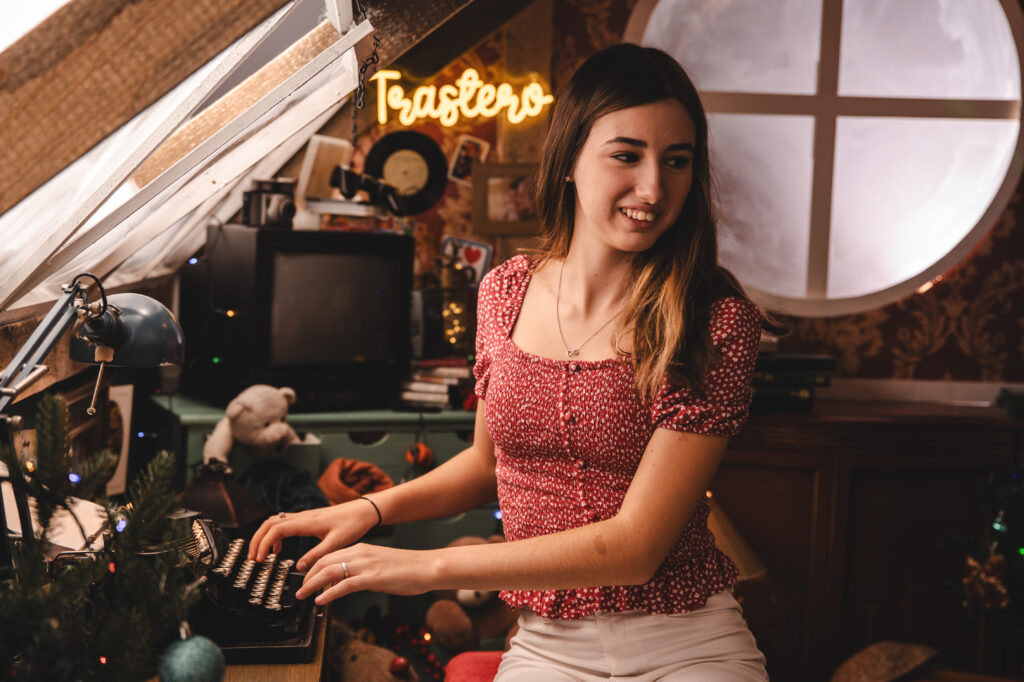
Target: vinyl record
414, 165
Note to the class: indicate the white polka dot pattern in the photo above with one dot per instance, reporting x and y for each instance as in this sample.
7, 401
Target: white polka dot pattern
569, 435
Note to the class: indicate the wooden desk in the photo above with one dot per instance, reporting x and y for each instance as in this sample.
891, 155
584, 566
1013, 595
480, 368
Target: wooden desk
861, 512
283, 672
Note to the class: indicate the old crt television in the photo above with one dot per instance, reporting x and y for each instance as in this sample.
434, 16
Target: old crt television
326, 313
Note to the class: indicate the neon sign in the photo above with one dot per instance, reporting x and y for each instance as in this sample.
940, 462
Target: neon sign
469, 97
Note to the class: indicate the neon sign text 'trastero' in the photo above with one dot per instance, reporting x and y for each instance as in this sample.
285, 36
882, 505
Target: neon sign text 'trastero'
469, 97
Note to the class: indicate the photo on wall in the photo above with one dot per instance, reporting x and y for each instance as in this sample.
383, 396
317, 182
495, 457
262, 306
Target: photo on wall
503, 195
473, 255
119, 428
468, 150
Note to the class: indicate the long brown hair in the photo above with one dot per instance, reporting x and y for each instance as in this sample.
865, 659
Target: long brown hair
673, 283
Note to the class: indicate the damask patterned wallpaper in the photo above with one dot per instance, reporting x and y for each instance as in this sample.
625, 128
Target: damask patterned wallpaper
967, 327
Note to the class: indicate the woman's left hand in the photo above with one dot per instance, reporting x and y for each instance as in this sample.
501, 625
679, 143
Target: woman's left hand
368, 567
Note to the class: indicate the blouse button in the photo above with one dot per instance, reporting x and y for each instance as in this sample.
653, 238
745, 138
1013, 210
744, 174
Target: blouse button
573, 366
580, 464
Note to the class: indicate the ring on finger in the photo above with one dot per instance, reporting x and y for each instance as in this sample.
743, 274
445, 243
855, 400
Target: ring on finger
344, 568
282, 516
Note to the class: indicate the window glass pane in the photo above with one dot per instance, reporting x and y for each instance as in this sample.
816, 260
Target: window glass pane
52, 203
22, 17
742, 45
762, 170
906, 191
928, 48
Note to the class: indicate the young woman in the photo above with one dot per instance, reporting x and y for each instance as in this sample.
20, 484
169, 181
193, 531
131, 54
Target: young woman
611, 370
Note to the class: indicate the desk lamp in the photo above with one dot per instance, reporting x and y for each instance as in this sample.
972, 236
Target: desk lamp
123, 330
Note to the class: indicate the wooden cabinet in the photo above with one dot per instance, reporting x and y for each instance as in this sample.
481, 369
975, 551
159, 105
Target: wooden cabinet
863, 514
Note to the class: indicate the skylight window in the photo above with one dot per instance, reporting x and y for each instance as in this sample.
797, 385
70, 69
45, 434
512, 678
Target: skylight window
95, 217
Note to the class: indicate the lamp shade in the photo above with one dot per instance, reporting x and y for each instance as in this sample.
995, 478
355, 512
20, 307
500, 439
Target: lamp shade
141, 330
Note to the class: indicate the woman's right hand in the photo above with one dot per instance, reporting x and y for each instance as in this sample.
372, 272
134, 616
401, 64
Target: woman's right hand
338, 526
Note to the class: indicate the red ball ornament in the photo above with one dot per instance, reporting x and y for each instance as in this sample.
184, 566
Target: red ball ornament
399, 666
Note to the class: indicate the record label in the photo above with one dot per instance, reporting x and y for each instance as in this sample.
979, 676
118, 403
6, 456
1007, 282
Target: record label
406, 171
414, 165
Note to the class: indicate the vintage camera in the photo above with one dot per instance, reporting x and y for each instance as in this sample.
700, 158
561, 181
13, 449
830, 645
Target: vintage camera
270, 203
378, 192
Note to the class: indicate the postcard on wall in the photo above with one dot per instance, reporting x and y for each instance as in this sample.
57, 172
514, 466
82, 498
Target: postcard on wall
468, 150
473, 255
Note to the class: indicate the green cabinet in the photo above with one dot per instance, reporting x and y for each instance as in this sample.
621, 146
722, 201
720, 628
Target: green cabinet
378, 436
381, 437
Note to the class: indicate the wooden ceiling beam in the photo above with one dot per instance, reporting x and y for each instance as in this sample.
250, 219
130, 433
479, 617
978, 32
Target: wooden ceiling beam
405, 26
233, 103
402, 24
92, 66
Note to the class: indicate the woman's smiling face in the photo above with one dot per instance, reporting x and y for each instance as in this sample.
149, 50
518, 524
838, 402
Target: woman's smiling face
633, 174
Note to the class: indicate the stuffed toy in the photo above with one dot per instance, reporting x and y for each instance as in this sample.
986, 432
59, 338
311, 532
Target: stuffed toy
353, 659
256, 418
347, 479
461, 619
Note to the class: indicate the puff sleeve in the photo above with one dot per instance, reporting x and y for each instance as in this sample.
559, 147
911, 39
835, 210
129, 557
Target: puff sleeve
492, 315
484, 316
735, 334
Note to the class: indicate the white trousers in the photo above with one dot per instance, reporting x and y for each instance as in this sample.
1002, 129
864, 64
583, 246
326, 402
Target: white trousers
712, 644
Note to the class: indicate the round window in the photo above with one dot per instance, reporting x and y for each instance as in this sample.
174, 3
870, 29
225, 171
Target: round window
861, 148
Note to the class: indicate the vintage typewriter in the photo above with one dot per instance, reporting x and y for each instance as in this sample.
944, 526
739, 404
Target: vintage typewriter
249, 608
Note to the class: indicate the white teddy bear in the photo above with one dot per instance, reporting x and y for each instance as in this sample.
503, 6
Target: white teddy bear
257, 417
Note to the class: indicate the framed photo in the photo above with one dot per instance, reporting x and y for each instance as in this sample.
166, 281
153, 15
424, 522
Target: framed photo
119, 421
86, 433
503, 198
476, 256
468, 151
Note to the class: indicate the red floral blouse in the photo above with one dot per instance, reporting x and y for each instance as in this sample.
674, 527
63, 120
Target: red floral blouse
569, 435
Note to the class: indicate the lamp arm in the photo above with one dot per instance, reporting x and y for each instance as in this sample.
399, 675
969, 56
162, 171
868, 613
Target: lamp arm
39, 344
19, 373
102, 328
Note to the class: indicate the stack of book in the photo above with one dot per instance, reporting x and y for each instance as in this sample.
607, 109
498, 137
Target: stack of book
437, 384
785, 382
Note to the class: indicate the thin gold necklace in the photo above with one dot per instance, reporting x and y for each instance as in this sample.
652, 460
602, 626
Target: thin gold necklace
574, 352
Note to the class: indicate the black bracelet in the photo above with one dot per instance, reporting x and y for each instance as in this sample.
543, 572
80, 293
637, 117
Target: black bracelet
380, 519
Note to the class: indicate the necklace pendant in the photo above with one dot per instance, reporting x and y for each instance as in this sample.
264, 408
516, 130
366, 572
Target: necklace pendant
572, 353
